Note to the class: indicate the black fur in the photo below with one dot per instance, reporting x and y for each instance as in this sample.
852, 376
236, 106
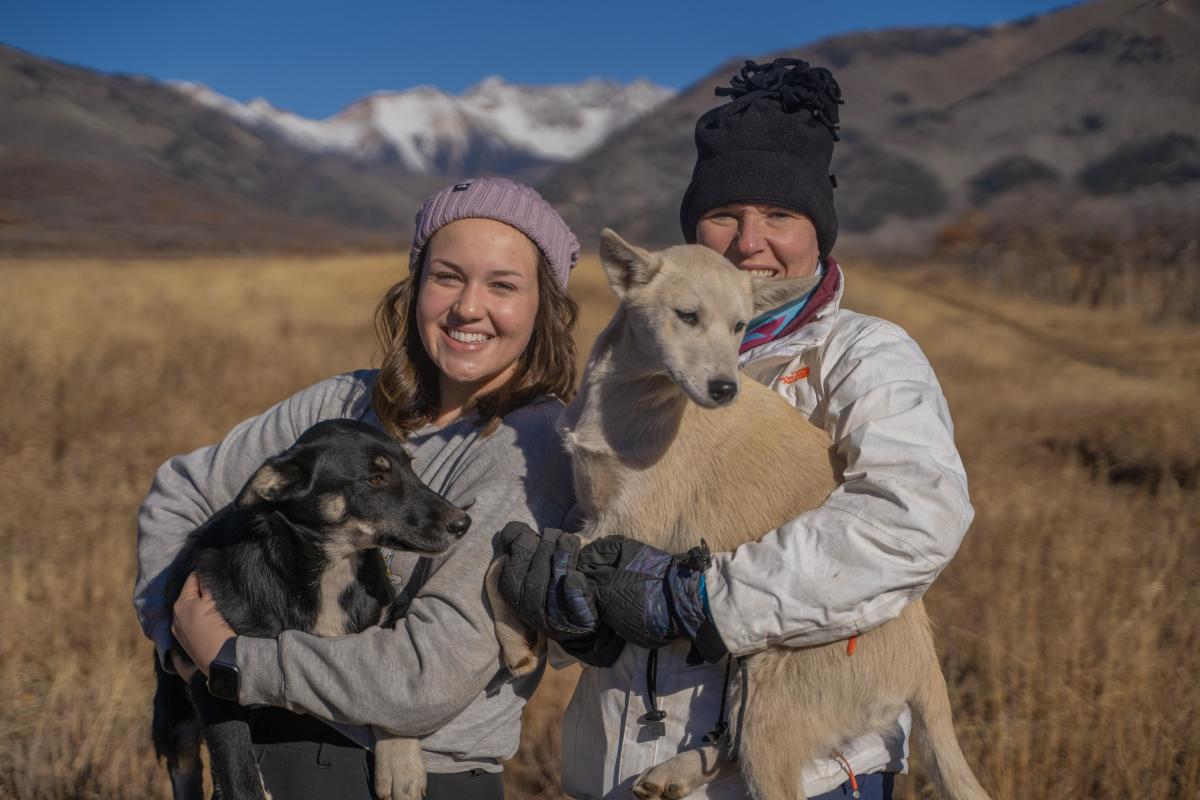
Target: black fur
262, 558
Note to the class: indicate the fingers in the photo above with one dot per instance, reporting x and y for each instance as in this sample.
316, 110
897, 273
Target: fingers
191, 588
521, 543
197, 623
578, 603
539, 581
569, 607
512, 532
182, 665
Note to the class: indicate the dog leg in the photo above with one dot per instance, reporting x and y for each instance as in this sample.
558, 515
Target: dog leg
176, 735
399, 767
233, 765
787, 718
230, 748
683, 774
520, 646
930, 703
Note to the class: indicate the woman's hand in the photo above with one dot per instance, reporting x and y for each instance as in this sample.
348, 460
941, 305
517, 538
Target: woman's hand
650, 597
540, 581
198, 626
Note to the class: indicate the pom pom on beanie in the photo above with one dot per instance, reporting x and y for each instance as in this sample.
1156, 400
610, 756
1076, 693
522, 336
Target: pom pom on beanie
772, 144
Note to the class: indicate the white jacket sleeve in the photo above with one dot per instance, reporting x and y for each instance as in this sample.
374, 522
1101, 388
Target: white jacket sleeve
881, 537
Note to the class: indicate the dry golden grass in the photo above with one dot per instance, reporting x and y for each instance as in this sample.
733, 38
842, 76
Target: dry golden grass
1067, 623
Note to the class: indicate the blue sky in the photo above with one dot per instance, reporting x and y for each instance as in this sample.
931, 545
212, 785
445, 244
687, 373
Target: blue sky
315, 58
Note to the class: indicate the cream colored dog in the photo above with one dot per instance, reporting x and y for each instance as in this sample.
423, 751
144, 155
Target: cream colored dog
657, 454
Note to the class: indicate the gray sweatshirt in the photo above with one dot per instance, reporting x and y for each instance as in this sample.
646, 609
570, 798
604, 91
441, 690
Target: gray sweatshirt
437, 675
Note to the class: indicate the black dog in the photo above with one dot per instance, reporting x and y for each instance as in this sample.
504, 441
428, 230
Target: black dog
297, 550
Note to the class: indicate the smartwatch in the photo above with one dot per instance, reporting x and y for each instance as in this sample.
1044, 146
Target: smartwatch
224, 680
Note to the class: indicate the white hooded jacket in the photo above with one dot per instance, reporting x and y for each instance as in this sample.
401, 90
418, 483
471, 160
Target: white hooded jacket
853, 563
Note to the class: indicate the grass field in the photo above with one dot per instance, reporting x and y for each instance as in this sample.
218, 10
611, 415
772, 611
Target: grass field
1067, 623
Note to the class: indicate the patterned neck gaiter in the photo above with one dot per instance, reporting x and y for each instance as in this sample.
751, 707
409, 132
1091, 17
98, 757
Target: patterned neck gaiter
771, 325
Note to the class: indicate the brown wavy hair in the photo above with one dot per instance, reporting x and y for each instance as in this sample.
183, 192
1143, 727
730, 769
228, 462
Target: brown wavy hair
405, 396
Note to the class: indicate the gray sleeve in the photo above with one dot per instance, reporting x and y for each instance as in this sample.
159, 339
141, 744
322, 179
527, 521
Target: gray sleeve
189, 488
412, 679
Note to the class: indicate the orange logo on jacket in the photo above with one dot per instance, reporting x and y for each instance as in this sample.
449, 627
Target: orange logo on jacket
798, 375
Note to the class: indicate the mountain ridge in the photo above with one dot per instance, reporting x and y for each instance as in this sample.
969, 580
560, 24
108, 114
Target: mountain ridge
1085, 117
429, 131
906, 164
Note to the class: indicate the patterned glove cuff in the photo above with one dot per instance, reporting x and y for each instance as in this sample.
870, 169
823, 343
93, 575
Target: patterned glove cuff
687, 598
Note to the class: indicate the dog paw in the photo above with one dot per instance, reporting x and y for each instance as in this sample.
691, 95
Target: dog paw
520, 666
651, 790
404, 789
653, 784
521, 656
399, 769
646, 790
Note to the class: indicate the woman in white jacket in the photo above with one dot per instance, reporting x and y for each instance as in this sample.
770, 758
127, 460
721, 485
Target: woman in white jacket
761, 194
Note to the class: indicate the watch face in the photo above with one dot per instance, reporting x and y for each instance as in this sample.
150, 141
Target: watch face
223, 681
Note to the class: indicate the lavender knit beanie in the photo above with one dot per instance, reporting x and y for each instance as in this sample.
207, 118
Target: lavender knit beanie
504, 201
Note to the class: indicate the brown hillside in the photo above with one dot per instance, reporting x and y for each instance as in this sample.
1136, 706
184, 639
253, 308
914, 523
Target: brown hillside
935, 117
118, 161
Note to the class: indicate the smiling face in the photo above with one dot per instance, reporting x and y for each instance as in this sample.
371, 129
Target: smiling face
767, 241
476, 306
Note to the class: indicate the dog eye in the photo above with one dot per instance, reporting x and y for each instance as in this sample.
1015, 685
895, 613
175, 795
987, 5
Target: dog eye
375, 480
741, 326
689, 317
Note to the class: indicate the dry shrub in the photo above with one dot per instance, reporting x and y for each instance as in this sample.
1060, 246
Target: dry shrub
1066, 623
1153, 272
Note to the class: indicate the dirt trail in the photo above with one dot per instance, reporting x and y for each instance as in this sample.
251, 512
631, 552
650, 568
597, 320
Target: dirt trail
1108, 340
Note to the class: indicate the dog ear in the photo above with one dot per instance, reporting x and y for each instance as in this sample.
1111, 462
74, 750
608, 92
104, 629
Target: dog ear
769, 294
283, 477
627, 265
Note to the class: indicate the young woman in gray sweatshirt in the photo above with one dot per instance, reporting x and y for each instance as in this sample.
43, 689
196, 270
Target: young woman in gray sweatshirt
478, 360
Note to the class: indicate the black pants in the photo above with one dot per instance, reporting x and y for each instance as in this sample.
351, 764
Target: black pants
302, 758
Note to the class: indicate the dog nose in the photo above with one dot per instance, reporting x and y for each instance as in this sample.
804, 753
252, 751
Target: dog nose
459, 526
722, 391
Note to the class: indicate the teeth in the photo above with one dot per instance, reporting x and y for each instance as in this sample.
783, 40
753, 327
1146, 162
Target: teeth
464, 336
762, 273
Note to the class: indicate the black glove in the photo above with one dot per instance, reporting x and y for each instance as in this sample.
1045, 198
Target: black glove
650, 597
539, 581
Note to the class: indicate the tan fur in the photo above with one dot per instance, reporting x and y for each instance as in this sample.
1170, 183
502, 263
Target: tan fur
650, 460
332, 508
519, 647
332, 619
262, 484
399, 765
399, 768
343, 549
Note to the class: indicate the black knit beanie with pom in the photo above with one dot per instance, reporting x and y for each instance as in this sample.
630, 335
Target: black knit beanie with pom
771, 144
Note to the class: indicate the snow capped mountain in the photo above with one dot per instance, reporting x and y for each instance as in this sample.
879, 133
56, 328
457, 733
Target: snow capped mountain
494, 126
